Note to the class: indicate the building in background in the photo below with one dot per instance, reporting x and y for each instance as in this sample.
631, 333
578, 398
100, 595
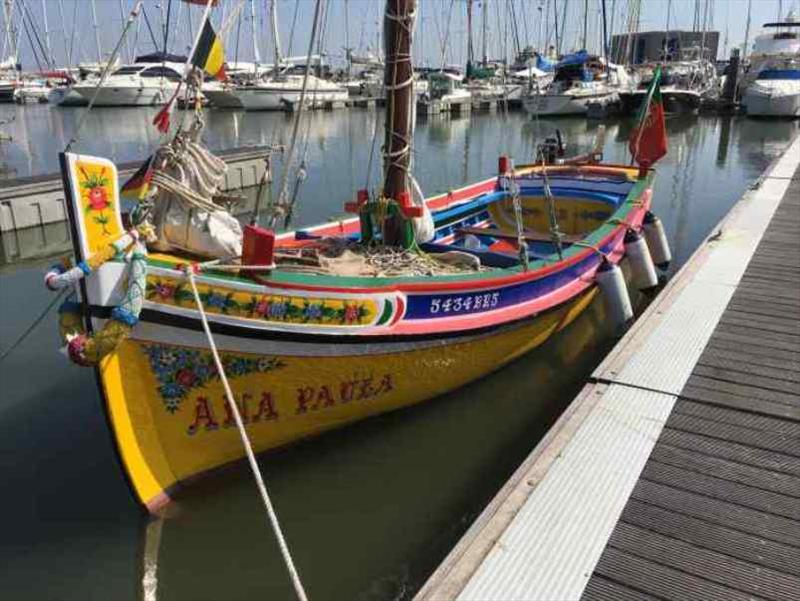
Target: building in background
663, 45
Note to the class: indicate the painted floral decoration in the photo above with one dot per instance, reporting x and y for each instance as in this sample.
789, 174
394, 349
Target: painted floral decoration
165, 290
179, 370
95, 190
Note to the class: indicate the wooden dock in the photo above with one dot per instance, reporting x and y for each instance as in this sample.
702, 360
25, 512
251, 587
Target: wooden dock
675, 474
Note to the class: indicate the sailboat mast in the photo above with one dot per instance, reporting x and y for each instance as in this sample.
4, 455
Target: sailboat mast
483, 16
67, 53
470, 53
96, 34
348, 51
48, 50
256, 55
273, 13
585, 22
747, 30
398, 25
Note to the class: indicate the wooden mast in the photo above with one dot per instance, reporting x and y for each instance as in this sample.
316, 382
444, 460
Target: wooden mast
398, 25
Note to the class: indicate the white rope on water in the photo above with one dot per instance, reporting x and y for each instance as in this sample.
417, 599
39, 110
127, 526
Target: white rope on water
251, 458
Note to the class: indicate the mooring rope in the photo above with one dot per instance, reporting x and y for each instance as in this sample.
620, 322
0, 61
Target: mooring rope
273, 518
33, 325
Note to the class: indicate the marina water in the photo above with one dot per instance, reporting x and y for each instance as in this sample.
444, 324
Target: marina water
368, 510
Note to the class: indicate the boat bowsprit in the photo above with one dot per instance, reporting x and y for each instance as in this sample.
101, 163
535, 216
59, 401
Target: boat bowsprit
332, 334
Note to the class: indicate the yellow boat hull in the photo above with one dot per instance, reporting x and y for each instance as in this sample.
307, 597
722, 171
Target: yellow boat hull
168, 410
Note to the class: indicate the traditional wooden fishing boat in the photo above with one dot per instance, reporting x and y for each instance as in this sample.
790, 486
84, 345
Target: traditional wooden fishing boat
344, 325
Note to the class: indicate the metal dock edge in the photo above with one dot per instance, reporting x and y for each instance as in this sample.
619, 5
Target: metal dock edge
544, 533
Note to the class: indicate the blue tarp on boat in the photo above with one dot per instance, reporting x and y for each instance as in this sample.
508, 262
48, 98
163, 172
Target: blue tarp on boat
578, 58
544, 65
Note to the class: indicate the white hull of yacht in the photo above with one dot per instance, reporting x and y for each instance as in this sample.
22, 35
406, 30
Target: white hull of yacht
223, 98
267, 98
565, 104
65, 96
127, 95
779, 100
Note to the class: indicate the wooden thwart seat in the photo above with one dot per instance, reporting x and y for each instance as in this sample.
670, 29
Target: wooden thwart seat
508, 235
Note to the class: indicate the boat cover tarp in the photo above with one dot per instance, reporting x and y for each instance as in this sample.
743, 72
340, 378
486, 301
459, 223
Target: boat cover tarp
160, 57
578, 58
543, 64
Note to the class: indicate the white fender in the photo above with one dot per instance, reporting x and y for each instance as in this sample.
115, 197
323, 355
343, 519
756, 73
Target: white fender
615, 294
644, 272
656, 240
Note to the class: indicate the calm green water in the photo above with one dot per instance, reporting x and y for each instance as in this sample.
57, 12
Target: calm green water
370, 510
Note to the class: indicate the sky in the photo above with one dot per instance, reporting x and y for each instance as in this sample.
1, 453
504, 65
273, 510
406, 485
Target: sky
441, 35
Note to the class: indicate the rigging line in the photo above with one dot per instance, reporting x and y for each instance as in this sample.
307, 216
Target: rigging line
291, 31
251, 458
26, 12
166, 27
33, 325
295, 126
149, 28
131, 18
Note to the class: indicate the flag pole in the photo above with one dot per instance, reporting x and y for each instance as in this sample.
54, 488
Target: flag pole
206, 13
161, 120
650, 92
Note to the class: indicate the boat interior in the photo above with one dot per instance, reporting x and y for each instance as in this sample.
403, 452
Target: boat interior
483, 227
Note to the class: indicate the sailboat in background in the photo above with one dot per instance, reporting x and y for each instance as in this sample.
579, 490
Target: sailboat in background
279, 88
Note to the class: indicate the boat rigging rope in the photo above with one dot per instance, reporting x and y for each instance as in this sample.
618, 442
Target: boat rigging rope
33, 325
284, 185
131, 18
555, 233
522, 244
273, 518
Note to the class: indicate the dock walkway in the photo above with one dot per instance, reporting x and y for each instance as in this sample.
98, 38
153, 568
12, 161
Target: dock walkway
676, 472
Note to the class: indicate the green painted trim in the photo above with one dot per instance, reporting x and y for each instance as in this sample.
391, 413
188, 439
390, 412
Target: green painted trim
387, 313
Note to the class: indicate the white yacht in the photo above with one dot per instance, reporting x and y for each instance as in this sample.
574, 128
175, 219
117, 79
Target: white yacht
64, 95
445, 93
776, 90
580, 79
772, 86
144, 83
276, 92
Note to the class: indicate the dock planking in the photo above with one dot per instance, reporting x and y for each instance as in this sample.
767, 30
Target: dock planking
675, 473
715, 513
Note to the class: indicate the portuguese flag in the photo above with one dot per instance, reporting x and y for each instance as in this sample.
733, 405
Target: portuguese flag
648, 141
209, 54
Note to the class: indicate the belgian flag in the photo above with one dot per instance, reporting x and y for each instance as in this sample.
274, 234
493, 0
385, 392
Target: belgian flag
209, 55
138, 184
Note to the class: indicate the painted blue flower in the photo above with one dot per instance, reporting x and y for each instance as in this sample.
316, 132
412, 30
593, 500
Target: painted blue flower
216, 300
277, 310
204, 371
171, 390
314, 311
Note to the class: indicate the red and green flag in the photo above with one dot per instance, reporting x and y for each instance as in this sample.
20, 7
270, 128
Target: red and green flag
648, 141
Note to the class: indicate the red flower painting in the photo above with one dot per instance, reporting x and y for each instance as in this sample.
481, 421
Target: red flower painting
97, 201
